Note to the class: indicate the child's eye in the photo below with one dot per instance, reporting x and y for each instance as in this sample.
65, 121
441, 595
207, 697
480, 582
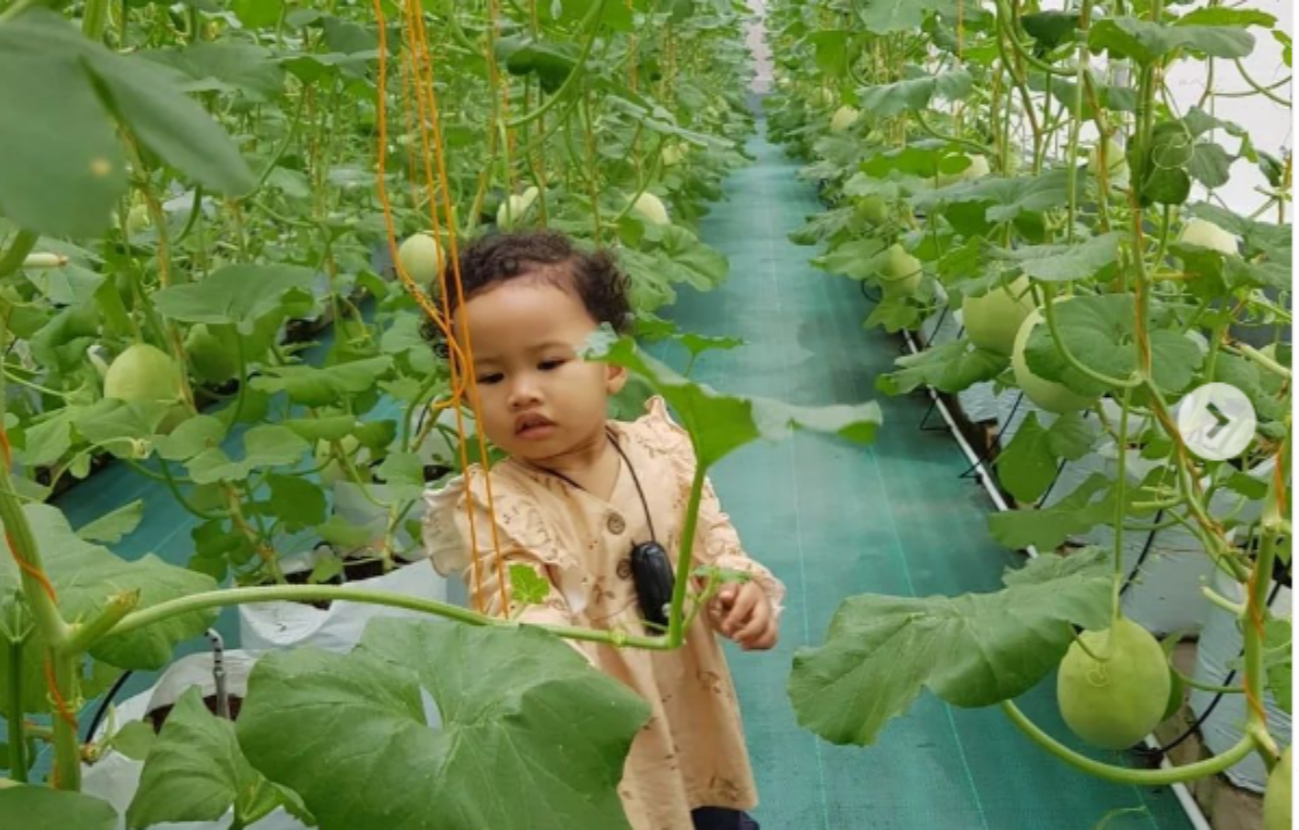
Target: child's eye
490, 378
548, 365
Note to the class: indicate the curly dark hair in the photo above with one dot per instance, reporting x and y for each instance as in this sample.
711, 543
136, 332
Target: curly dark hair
594, 276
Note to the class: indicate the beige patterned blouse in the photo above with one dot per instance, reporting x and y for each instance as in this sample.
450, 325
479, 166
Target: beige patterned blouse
691, 753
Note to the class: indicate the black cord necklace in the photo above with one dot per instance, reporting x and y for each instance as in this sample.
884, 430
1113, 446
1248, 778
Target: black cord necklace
650, 567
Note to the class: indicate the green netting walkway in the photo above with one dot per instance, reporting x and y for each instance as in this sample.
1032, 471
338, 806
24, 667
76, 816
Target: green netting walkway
835, 520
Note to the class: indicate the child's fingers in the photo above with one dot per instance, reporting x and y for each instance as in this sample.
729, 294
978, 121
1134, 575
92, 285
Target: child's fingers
765, 640
757, 623
746, 601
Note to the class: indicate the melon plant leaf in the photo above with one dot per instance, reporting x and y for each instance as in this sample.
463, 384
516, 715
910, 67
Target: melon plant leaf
195, 771
1269, 239
324, 428
1007, 198
1051, 28
295, 501
224, 67
894, 314
85, 576
552, 62
527, 587
45, 808
322, 386
1029, 464
1048, 527
1064, 263
1145, 42
109, 528
193, 436
1210, 165
831, 47
403, 474
858, 259
950, 367
237, 294
887, 100
1223, 16
47, 441
518, 711
972, 650
1278, 660
925, 159
697, 344
257, 14
114, 424
265, 445
686, 259
1246, 376
62, 182
883, 16
719, 424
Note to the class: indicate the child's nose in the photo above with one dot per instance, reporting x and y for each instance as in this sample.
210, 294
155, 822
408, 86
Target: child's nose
523, 392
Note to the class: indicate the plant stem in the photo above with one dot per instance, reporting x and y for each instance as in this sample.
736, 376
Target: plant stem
16, 737
1120, 506
316, 593
67, 746
1126, 775
676, 632
19, 247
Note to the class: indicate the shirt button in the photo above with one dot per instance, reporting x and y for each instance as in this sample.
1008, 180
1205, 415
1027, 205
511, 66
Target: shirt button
616, 524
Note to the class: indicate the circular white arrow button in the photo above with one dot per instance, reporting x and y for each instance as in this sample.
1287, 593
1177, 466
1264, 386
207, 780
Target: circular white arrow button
1216, 421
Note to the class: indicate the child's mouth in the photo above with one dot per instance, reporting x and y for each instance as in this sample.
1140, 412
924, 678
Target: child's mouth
533, 427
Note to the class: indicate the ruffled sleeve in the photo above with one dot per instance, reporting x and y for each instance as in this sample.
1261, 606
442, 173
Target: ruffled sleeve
518, 536
717, 543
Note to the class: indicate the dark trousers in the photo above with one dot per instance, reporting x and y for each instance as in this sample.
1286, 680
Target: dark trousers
720, 818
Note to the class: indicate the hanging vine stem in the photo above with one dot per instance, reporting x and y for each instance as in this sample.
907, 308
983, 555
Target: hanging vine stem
1120, 505
579, 67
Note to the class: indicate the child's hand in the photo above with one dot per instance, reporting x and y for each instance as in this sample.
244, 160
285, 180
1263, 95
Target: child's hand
743, 613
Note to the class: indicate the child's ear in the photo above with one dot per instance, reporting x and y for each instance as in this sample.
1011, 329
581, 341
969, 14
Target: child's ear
615, 379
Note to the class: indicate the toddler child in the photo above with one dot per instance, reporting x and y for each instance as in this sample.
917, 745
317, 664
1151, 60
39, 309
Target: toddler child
577, 492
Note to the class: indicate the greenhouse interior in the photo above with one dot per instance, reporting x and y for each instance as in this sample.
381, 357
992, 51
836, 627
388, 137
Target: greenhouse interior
646, 414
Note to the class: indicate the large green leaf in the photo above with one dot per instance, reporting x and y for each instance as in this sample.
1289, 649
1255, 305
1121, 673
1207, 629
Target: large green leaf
322, 386
949, 367
45, 808
718, 423
225, 67
1006, 198
914, 94
686, 259
235, 294
1028, 466
971, 650
1145, 42
858, 259
531, 737
1064, 263
884, 16
112, 526
195, 771
1047, 528
61, 181
84, 577
265, 445
1099, 331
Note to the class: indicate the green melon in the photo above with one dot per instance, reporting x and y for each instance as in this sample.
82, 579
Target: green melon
515, 209
212, 352
900, 273
843, 118
993, 320
143, 373
650, 208
1115, 702
1048, 395
1277, 805
421, 257
873, 209
1205, 234
1115, 161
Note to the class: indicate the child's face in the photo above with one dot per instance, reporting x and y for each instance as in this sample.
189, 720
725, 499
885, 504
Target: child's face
539, 399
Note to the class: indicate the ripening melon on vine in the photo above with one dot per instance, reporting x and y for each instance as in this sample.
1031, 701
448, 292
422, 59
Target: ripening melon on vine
674, 153
1117, 694
873, 209
843, 118
212, 352
421, 257
515, 208
1046, 394
900, 273
992, 320
1277, 806
143, 373
650, 209
1116, 164
1205, 234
